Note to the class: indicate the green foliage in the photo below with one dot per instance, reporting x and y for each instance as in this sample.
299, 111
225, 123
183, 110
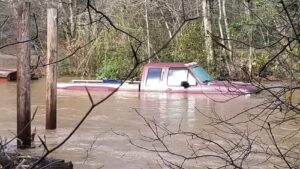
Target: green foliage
63, 67
235, 26
260, 60
105, 58
188, 46
111, 56
114, 68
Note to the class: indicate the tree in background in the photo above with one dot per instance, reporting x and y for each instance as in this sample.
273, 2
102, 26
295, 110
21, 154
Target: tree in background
206, 10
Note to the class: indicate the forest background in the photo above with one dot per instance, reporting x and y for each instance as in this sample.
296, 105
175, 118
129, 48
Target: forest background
228, 38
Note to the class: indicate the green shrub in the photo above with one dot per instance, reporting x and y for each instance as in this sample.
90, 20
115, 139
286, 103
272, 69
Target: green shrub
188, 46
114, 68
260, 60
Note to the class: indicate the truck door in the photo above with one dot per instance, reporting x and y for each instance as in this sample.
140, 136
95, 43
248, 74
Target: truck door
178, 75
154, 79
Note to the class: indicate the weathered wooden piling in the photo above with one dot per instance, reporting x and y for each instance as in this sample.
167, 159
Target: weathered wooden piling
51, 77
23, 77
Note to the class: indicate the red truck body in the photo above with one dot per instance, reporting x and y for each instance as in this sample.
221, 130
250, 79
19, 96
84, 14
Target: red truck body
168, 77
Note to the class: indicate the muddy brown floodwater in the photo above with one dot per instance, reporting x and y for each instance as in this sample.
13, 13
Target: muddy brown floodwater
96, 143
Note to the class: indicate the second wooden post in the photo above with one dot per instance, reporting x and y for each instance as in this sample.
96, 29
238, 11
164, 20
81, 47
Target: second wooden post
51, 72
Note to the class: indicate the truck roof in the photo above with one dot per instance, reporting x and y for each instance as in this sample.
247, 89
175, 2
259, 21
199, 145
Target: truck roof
169, 64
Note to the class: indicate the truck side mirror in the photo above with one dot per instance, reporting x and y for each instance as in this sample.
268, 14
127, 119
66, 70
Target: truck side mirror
185, 84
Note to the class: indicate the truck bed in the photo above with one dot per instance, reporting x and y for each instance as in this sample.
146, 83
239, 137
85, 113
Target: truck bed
99, 85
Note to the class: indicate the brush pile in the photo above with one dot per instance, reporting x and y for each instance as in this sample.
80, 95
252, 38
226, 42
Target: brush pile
17, 161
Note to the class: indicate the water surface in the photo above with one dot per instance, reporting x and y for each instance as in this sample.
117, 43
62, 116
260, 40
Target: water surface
99, 141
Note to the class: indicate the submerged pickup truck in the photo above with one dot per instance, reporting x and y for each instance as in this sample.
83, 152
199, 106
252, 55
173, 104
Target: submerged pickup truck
167, 77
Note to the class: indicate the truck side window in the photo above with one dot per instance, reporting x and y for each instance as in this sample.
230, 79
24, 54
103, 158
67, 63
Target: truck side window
178, 75
153, 76
192, 81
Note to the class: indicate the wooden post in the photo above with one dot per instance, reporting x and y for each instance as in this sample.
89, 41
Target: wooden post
23, 78
51, 77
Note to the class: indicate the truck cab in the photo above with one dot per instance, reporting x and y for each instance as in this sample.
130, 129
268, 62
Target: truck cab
172, 76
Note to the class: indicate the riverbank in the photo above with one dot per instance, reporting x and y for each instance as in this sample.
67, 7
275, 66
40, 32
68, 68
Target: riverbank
16, 160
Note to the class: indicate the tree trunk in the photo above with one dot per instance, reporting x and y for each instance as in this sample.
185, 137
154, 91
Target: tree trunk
227, 31
208, 30
220, 26
72, 5
166, 23
148, 32
248, 6
223, 51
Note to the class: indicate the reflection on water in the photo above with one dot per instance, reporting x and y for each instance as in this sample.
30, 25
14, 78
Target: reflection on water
94, 144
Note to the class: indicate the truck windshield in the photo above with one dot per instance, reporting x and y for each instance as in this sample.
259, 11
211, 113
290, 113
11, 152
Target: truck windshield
201, 74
